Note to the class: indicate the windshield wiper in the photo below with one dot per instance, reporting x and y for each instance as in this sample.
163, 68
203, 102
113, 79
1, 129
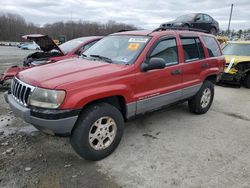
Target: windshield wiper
102, 58
83, 55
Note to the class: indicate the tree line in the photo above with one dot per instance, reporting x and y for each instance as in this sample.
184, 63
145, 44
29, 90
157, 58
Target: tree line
233, 32
13, 26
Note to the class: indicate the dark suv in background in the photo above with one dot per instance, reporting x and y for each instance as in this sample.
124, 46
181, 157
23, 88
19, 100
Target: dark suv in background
195, 20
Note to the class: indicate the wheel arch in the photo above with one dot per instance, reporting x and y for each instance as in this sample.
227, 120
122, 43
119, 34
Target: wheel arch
187, 24
212, 78
117, 101
243, 66
214, 27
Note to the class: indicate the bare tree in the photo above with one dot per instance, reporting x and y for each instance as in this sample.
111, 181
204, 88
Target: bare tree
13, 26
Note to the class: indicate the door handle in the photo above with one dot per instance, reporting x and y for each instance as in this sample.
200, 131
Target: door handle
175, 72
204, 65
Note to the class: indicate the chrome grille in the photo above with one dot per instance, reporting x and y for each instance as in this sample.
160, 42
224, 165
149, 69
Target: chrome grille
21, 91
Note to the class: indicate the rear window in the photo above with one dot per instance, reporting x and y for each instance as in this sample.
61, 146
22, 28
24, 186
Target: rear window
212, 46
192, 49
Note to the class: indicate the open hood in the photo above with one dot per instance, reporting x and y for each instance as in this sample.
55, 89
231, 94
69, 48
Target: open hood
43, 41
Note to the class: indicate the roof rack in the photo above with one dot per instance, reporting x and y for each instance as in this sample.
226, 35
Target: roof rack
179, 28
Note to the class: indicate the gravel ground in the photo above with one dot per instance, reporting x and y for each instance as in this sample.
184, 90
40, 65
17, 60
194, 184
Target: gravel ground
167, 148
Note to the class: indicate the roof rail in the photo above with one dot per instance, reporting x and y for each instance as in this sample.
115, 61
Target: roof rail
178, 28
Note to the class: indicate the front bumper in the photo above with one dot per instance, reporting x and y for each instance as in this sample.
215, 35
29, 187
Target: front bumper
54, 122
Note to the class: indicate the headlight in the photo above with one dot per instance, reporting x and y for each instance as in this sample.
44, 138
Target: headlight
46, 98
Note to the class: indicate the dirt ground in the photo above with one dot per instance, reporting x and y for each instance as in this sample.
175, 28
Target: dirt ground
167, 148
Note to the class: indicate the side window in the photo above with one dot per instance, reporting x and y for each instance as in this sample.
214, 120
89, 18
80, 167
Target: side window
199, 18
192, 49
200, 48
207, 18
167, 50
212, 46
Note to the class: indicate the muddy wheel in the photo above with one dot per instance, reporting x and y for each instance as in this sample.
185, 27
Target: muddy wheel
202, 101
98, 131
247, 81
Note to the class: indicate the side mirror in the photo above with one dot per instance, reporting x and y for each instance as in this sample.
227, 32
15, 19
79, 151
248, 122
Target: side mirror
153, 63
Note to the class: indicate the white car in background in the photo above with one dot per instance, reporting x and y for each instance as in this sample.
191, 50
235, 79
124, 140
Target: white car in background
30, 46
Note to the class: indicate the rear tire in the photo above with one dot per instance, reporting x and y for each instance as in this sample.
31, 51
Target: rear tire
247, 81
97, 132
213, 31
186, 26
202, 101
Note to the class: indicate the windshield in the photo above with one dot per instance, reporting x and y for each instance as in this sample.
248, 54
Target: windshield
117, 49
185, 18
237, 49
72, 44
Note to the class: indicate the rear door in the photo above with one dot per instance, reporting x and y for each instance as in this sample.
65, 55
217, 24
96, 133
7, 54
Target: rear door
194, 63
207, 22
157, 88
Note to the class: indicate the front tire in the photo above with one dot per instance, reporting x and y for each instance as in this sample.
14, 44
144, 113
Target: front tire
247, 81
202, 101
97, 132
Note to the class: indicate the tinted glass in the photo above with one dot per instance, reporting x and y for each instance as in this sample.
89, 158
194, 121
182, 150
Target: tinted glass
166, 50
200, 48
199, 17
207, 18
185, 18
192, 50
237, 49
212, 46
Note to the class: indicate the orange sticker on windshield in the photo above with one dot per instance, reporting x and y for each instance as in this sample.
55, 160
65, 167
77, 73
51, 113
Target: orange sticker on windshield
133, 46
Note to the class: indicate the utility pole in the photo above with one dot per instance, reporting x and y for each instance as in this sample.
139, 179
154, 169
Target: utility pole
232, 5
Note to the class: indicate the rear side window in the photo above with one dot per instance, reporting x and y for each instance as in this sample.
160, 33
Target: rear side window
212, 46
167, 50
207, 18
192, 49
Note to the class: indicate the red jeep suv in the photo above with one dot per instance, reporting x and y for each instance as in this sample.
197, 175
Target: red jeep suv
121, 76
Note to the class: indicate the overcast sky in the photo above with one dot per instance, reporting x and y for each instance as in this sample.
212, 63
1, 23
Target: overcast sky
146, 14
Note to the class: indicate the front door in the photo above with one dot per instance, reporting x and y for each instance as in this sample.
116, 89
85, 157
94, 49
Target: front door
160, 87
